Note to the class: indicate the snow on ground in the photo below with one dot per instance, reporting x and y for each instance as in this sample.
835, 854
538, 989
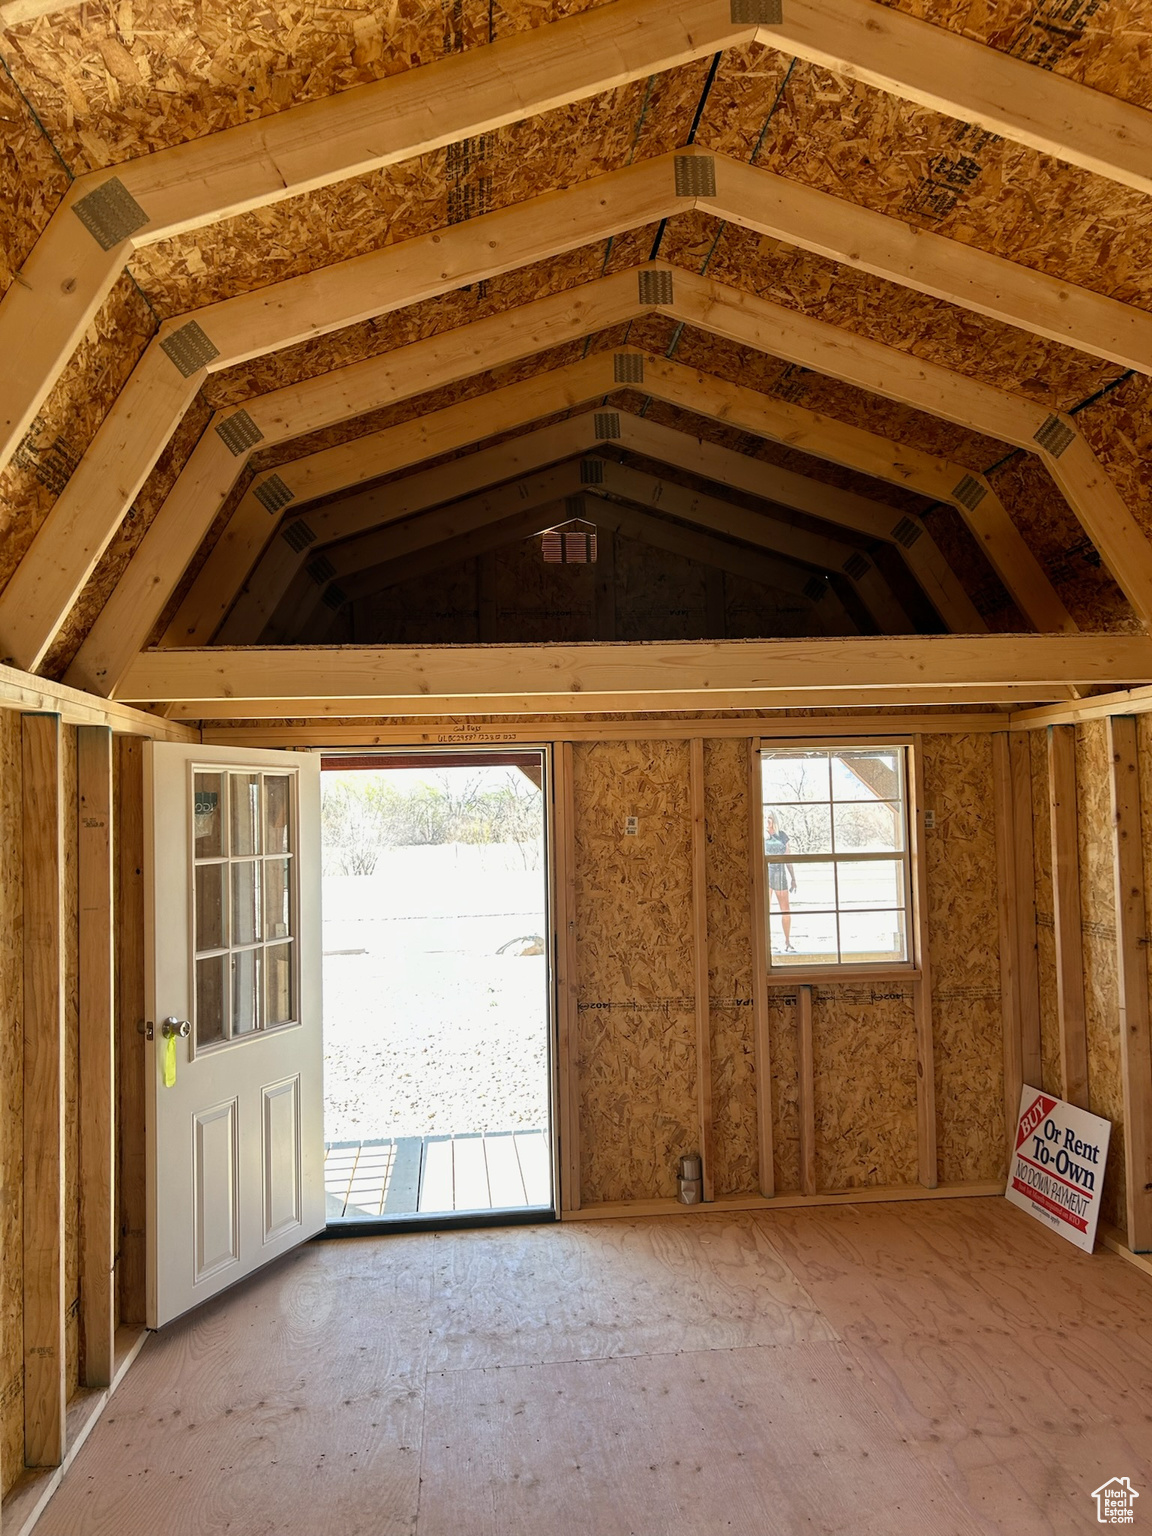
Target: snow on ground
427, 1030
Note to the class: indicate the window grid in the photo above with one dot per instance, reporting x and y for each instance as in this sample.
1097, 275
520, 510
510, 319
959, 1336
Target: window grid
244, 979
781, 921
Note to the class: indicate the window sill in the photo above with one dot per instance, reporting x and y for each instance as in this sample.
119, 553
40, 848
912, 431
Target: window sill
786, 975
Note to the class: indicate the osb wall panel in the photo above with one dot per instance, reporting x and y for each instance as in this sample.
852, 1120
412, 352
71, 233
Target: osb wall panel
113, 81
1098, 916
784, 1054
113, 563
1119, 430
660, 595
1051, 1070
963, 942
439, 608
539, 602
68, 420
32, 181
728, 868
11, 1103
415, 197
71, 947
635, 1019
753, 612
864, 1048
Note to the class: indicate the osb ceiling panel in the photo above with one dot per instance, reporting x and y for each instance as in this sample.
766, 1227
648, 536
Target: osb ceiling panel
422, 195
1105, 44
69, 418
856, 143
32, 182
401, 327
112, 81
996, 354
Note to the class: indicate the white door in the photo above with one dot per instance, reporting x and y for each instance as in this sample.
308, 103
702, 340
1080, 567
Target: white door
235, 1099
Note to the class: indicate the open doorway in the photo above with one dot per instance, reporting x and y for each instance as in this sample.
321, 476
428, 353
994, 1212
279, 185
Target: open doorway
436, 987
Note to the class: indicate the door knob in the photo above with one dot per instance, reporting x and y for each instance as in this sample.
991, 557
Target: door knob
172, 1026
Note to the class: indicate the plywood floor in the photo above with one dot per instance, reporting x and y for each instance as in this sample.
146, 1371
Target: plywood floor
916, 1370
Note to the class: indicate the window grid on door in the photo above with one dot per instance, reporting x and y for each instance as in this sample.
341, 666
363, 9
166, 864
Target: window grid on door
243, 903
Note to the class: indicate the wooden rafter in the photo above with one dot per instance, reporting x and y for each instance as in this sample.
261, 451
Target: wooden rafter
312, 145
292, 311
779, 556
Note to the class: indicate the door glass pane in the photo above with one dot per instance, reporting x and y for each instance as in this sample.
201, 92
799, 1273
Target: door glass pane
245, 813
279, 971
245, 991
208, 796
211, 1000
211, 920
277, 808
277, 899
246, 924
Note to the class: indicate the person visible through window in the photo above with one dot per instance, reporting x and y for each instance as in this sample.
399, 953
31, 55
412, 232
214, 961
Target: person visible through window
781, 877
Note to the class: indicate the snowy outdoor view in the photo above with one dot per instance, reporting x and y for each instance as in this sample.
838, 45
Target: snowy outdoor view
835, 856
435, 988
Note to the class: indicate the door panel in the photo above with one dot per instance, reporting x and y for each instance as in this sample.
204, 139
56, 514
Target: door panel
216, 1196
281, 1158
235, 1142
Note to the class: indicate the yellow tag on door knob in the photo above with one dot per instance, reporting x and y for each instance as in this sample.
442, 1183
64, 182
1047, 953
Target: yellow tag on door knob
170, 1061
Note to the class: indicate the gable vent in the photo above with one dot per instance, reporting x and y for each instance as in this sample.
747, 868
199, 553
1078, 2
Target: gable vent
758, 13
695, 175
591, 471
606, 424
628, 368
189, 349
856, 565
239, 433
335, 597
815, 588
970, 493
297, 535
572, 543
272, 494
321, 569
906, 532
110, 213
1054, 436
655, 287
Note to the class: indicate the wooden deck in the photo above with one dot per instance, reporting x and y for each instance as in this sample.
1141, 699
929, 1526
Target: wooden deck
941, 1369
413, 1175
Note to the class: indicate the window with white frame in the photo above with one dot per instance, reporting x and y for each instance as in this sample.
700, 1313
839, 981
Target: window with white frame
243, 903
837, 880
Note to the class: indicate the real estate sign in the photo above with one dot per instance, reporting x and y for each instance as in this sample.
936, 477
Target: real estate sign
1057, 1172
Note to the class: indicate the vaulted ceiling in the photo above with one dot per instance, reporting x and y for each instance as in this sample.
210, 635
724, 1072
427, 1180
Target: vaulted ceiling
304, 305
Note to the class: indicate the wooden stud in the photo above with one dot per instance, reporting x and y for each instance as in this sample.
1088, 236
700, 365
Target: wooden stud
1064, 822
761, 1038
20, 691
96, 1025
926, 1158
697, 797
567, 979
44, 1045
1025, 882
1132, 977
806, 1095
131, 1271
1009, 935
